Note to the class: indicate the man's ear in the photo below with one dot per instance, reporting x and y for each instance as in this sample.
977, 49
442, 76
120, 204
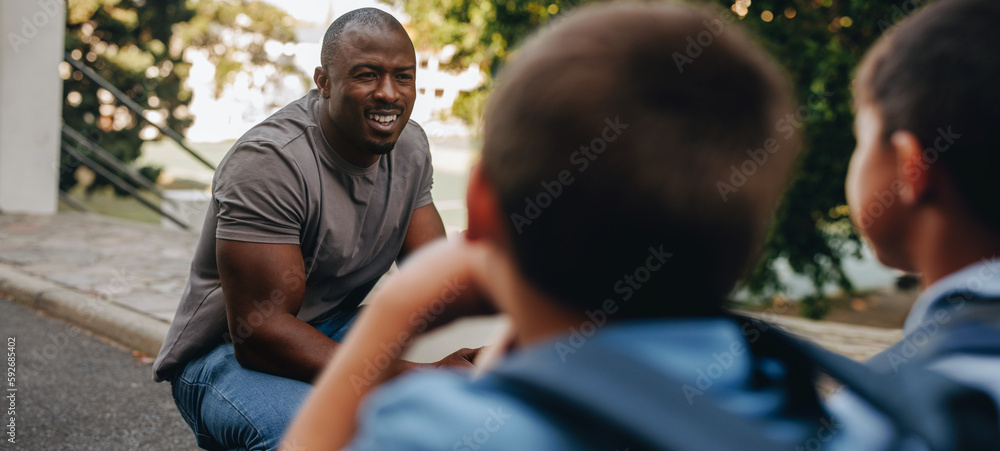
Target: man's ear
912, 169
485, 217
322, 80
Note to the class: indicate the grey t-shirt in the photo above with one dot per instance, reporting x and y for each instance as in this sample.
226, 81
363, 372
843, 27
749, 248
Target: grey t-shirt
282, 183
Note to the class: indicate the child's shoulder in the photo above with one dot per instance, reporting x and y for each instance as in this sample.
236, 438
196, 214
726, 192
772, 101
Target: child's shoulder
448, 410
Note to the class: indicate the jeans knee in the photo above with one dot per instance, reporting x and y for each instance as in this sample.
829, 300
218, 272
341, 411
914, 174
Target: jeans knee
187, 400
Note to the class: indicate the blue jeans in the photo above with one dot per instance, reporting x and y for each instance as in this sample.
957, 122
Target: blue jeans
230, 407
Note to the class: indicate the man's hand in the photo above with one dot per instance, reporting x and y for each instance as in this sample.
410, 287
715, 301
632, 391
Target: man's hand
463, 358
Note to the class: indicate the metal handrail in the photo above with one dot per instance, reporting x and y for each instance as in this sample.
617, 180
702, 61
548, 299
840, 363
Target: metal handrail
135, 107
109, 159
117, 181
65, 197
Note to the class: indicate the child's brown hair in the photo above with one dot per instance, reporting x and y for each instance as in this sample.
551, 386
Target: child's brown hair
607, 139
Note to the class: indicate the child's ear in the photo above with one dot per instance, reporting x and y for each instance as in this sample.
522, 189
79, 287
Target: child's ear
911, 169
484, 211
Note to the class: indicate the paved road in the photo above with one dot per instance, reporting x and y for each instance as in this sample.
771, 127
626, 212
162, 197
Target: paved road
77, 392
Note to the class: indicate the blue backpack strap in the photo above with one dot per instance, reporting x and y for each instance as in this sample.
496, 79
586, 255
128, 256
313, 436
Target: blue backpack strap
971, 327
942, 413
611, 396
977, 336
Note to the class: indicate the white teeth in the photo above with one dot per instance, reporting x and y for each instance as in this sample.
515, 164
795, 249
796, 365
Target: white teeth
383, 119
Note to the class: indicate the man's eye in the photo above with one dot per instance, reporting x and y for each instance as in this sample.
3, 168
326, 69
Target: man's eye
367, 75
406, 77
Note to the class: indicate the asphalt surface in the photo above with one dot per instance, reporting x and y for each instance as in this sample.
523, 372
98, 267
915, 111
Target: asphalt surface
76, 391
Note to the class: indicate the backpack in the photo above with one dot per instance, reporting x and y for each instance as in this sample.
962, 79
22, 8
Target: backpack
606, 408
947, 414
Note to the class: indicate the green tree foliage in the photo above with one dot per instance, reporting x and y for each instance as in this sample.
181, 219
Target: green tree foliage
122, 42
138, 45
242, 36
819, 42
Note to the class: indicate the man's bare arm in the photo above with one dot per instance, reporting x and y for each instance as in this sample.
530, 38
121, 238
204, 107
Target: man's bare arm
263, 286
425, 227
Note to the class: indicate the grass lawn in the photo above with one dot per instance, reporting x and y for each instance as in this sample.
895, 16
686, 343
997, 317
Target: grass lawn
105, 202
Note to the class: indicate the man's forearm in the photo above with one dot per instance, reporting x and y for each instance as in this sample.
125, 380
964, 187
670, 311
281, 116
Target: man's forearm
291, 348
286, 347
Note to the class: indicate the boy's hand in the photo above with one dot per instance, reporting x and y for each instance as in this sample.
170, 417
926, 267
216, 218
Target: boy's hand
437, 284
440, 283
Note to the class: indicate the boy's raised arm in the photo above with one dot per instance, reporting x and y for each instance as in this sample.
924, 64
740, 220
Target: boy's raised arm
435, 287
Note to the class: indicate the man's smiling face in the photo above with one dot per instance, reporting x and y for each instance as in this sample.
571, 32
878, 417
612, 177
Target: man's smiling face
371, 89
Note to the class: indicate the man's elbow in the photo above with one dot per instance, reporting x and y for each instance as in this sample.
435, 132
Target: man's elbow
243, 353
255, 347
249, 356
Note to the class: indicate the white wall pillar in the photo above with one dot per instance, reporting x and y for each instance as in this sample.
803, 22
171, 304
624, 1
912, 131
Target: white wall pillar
30, 104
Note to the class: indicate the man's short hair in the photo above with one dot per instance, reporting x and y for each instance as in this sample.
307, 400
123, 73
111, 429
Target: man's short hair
363, 17
936, 75
606, 140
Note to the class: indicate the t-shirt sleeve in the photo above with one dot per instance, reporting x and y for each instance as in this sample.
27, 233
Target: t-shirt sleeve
426, 174
260, 193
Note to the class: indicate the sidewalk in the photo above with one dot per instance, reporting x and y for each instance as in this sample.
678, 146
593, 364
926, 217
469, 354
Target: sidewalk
124, 280
117, 278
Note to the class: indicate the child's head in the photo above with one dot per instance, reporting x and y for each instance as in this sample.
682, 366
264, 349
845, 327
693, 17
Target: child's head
632, 154
927, 97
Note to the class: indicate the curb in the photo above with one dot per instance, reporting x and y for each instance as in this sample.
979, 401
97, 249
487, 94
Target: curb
123, 325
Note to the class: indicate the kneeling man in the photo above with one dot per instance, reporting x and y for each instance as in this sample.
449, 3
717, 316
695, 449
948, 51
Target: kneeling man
309, 209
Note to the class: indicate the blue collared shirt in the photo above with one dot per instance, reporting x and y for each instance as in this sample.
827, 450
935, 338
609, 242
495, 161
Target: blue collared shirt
866, 428
440, 410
